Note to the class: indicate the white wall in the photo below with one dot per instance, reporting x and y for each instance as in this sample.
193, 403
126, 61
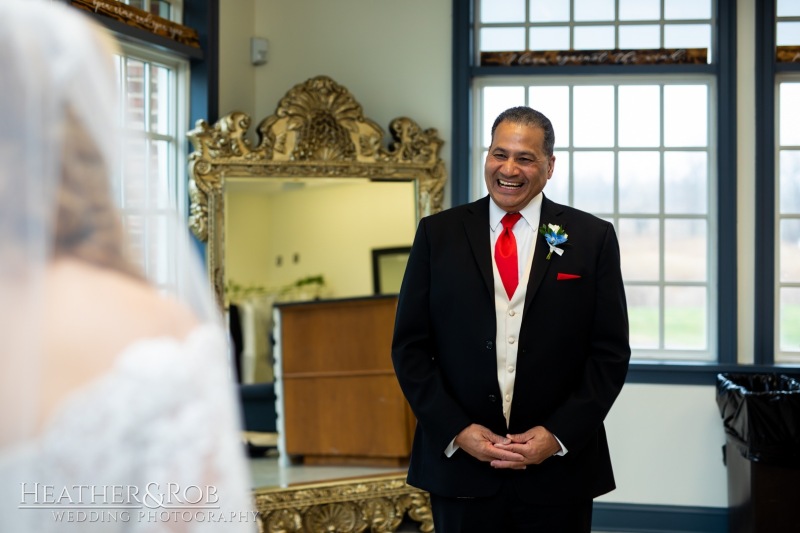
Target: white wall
665, 443
237, 86
395, 57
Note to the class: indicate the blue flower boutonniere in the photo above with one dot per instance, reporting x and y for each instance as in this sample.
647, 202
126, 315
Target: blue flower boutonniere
554, 235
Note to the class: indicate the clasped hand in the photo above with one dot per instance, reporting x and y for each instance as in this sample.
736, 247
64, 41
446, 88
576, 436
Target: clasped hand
512, 451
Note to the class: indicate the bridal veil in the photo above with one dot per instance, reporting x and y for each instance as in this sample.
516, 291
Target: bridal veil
61, 134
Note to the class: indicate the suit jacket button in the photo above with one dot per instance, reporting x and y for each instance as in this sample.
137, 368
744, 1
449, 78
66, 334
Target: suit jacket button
489, 345
492, 398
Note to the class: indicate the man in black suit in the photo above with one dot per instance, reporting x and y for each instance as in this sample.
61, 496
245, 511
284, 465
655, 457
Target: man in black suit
510, 375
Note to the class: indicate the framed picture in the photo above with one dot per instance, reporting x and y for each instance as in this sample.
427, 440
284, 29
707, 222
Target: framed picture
388, 267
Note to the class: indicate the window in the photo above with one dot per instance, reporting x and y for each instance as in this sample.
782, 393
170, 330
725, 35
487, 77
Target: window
593, 24
636, 149
168, 9
153, 90
787, 198
788, 221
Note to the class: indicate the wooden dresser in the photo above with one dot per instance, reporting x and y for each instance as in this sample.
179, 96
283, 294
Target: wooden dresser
338, 399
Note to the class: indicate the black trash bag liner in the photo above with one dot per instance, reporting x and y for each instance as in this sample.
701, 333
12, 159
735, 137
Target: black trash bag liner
761, 416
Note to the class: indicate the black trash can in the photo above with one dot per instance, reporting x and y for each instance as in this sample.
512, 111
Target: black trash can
761, 416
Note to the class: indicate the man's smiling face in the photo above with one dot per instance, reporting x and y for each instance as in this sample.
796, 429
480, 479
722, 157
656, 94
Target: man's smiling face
517, 166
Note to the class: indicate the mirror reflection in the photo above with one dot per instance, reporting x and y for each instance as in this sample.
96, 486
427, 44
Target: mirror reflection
290, 229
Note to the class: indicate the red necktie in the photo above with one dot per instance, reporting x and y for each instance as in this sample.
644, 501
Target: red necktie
505, 254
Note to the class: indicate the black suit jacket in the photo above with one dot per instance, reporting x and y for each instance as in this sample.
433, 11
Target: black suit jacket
573, 353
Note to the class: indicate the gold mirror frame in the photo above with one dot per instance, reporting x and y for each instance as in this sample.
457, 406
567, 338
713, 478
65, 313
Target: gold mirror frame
317, 131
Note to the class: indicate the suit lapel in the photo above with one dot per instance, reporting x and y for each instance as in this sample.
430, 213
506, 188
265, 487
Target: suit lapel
551, 214
476, 225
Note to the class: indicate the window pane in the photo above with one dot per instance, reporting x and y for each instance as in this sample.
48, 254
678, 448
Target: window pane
594, 181
134, 92
554, 103
687, 9
118, 60
594, 10
789, 320
788, 8
639, 37
160, 112
638, 241
789, 193
557, 188
685, 318
134, 226
639, 115
158, 176
790, 251
685, 245
593, 123
789, 112
787, 34
134, 184
686, 182
639, 10
162, 8
643, 314
503, 11
594, 38
639, 182
687, 36
158, 248
685, 115
482, 190
547, 38
495, 101
502, 39
549, 10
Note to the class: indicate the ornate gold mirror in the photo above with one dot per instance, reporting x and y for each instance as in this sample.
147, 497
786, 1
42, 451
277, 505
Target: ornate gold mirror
318, 138
299, 212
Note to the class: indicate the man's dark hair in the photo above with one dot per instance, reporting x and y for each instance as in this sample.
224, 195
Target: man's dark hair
528, 117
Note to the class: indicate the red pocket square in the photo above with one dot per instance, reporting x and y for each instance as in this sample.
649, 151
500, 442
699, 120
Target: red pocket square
562, 275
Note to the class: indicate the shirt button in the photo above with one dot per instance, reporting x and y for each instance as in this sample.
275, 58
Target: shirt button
511, 312
511, 340
510, 368
508, 397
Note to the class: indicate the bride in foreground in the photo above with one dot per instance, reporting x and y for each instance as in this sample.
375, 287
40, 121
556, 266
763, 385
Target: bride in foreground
117, 409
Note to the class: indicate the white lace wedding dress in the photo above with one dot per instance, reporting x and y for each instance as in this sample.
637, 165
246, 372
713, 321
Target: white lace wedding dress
150, 446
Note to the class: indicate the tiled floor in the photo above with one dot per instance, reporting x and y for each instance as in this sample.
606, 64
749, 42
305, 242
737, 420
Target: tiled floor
267, 473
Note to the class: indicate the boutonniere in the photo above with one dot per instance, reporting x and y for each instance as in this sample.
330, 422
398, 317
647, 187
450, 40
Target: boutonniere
554, 235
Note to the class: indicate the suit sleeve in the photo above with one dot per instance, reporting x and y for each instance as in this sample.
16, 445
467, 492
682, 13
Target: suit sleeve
581, 415
414, 351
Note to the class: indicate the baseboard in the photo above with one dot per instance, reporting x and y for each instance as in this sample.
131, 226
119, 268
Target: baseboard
638, 518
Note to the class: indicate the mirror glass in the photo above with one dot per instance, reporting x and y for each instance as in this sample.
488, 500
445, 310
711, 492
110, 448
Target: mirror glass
288, 229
